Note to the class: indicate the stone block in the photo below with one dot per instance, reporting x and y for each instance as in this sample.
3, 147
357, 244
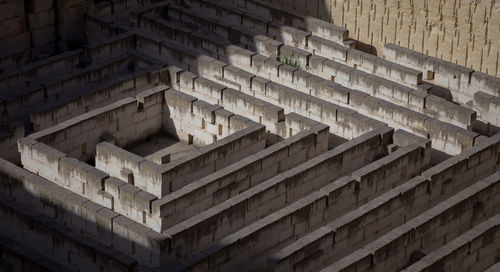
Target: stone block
187, 80
12, 26
112, 186
482, 101
205, 110
43, 36
267, 46
39, 5
41, 19
143, 201
209, 89
127, 194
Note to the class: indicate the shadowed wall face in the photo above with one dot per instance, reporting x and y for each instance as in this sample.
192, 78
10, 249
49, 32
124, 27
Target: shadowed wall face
43, 27
465, 32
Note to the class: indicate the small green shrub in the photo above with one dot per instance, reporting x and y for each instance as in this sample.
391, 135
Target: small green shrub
291, 60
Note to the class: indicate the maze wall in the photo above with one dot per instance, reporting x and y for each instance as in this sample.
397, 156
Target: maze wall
245, 135
462, 32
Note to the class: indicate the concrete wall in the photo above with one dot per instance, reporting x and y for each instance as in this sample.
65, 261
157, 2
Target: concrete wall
8, 141
238, 102
318, 39
95, 96
112, 46
15, 258
45, 67
444, 136
33, 90
475, 250
240, 176
203, 122
43, 27
493, 268
343, 122
233, 137
13, 22
44, 97
429, 231
406, 202
181, 172
274, 193
132, 120
124, 122
440, 109
462, 82
250, 244
460, 32
488, 107
54, 209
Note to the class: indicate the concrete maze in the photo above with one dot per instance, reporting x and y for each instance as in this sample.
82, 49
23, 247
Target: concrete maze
206, 135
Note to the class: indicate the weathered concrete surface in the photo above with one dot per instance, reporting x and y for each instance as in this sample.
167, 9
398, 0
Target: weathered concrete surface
204, 135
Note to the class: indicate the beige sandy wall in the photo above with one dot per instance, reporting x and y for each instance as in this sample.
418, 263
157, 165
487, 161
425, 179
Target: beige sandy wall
466, 32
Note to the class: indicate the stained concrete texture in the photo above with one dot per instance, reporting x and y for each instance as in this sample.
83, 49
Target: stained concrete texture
248, 135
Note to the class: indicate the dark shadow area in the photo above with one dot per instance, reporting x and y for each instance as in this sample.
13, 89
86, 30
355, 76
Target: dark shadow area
335, 140
438, 157
364, 47
162, 142
48, 224
486, 129
442, 92
50, 236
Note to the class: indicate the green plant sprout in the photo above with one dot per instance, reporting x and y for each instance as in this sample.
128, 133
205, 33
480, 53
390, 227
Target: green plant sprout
291, 60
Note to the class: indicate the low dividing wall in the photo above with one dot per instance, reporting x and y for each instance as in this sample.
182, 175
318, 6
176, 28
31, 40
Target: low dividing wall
446, 111
178, 173
445, 137
322, 46
493, 268
488, 107
257, 110
88, 219
463, 82
240, 176
404, 138
261, 16
252, 243
274, 194
144, 116
180, 51
205, 122
429, 231
405, 202
115, 45
30, 229
45, 91
240, 102
8, 142
245, 137
93, 96
47, 66
127, 120
475, 250
17, 258
414, 99
343, 122
87, 181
